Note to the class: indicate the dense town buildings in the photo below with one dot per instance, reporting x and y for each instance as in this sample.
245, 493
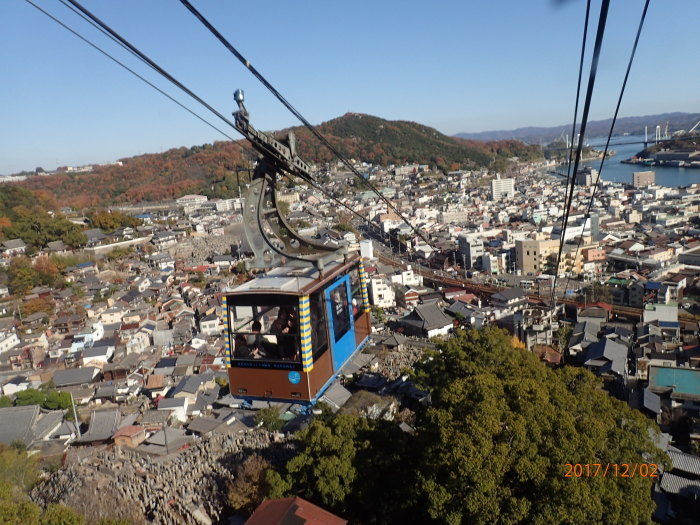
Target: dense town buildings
146, 330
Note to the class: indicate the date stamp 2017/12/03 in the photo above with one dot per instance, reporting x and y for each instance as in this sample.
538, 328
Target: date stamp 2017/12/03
617, 470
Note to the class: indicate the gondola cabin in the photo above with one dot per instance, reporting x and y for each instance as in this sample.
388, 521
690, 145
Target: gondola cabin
291, 330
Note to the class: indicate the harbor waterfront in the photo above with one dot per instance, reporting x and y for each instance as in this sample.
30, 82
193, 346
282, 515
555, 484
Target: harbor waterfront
614, 170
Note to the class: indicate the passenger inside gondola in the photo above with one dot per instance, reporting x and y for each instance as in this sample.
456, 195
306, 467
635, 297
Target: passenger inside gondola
255, 341
278, 342
284, 327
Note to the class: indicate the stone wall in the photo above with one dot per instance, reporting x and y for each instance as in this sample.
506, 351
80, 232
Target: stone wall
187, 487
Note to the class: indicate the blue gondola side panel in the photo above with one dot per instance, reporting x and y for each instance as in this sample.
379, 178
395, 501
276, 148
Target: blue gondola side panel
340, 322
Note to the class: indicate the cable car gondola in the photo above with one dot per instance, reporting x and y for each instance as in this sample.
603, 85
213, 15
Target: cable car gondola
291, 329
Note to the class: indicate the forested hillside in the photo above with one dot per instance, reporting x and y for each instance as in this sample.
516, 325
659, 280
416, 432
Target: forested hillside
210, 168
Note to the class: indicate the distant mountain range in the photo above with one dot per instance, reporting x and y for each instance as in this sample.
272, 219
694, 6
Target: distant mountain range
599, 128
211, 168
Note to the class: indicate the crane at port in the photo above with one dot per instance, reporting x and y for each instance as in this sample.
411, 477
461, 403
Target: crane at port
691, 130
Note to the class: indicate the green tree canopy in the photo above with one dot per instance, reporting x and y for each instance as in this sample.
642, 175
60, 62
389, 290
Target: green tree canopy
325, 467
16, 468
492, 448
56, 514
37, 228
18, 473
56, 400
354, 467
110, 220
29, 397
15, 507
495, 444
269, 418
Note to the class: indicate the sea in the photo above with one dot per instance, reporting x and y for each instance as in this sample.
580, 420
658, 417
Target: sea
628, 146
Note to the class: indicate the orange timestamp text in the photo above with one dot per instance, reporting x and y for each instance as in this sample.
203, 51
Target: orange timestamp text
616, 470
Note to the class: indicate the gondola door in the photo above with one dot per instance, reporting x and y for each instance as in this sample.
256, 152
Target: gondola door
340, 321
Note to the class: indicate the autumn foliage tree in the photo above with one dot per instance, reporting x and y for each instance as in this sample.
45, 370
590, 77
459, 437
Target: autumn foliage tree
246, 491
23, 274
46, 270
37, 305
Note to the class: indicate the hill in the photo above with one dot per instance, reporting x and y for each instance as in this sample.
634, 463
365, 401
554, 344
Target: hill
383, 142
599, 128
210, 169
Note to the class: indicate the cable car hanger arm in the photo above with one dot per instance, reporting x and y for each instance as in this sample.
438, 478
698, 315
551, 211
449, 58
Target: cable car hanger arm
270, 236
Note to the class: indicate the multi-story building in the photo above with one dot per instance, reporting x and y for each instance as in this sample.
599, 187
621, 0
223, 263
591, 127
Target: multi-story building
407, 277
536, 326
641, 179
593, 254
531, 256
382, 293
366, 249
453, 214
572, 260
632, 216
490, 264
228, 204
502, 188
586, 176
191, 200
471, 249
409, 169
580, 227
8, 340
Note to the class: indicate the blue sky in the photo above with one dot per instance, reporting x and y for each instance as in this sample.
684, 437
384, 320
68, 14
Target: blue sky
454, 65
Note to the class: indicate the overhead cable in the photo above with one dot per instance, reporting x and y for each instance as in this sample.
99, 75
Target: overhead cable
578, 92
150, 62
105, 53
584, 120
138, 54
297, 114
612, 127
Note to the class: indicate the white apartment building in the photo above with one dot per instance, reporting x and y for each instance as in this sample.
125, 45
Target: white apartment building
382, 293
366, 249
229, 204
8, 340
191, 200
454, 214
407, 278
502, 188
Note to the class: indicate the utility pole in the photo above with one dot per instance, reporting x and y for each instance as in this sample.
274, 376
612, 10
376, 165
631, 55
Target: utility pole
75, 416
238, 181
165, 435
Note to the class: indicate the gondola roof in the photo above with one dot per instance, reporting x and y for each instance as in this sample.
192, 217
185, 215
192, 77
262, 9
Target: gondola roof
293, 280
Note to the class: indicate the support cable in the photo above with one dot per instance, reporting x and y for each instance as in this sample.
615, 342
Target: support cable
105, 53
150, 62
141, 57
297, 114
578, 93
612, 127
584, 120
